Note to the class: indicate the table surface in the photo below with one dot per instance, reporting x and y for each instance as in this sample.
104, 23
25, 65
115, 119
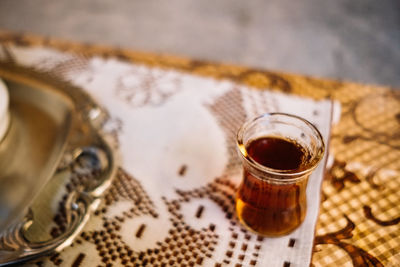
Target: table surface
359, 215
346, 39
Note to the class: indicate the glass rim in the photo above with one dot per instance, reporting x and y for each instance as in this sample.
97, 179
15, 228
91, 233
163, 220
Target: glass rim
287, 175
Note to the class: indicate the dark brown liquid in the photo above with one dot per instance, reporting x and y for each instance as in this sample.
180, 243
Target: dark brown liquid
269, 208
276, 153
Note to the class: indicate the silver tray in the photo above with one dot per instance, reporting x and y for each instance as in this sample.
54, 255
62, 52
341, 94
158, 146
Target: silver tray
55, 163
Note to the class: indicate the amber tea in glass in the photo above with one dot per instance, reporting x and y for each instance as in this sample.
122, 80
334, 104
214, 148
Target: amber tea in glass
278, 152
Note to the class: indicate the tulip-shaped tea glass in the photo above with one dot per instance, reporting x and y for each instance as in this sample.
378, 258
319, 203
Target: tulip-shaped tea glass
278, 151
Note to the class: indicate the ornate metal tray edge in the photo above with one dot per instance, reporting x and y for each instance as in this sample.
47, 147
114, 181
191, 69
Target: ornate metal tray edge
89, 151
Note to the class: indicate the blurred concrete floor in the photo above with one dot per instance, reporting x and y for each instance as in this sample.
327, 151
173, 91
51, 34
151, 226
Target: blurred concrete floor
357, 40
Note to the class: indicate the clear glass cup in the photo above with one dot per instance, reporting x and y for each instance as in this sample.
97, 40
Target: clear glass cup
278, 152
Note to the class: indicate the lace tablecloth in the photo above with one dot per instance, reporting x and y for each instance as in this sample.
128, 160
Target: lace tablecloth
174, 120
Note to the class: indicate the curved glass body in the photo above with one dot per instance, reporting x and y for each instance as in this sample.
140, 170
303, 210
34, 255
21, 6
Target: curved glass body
278, 152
